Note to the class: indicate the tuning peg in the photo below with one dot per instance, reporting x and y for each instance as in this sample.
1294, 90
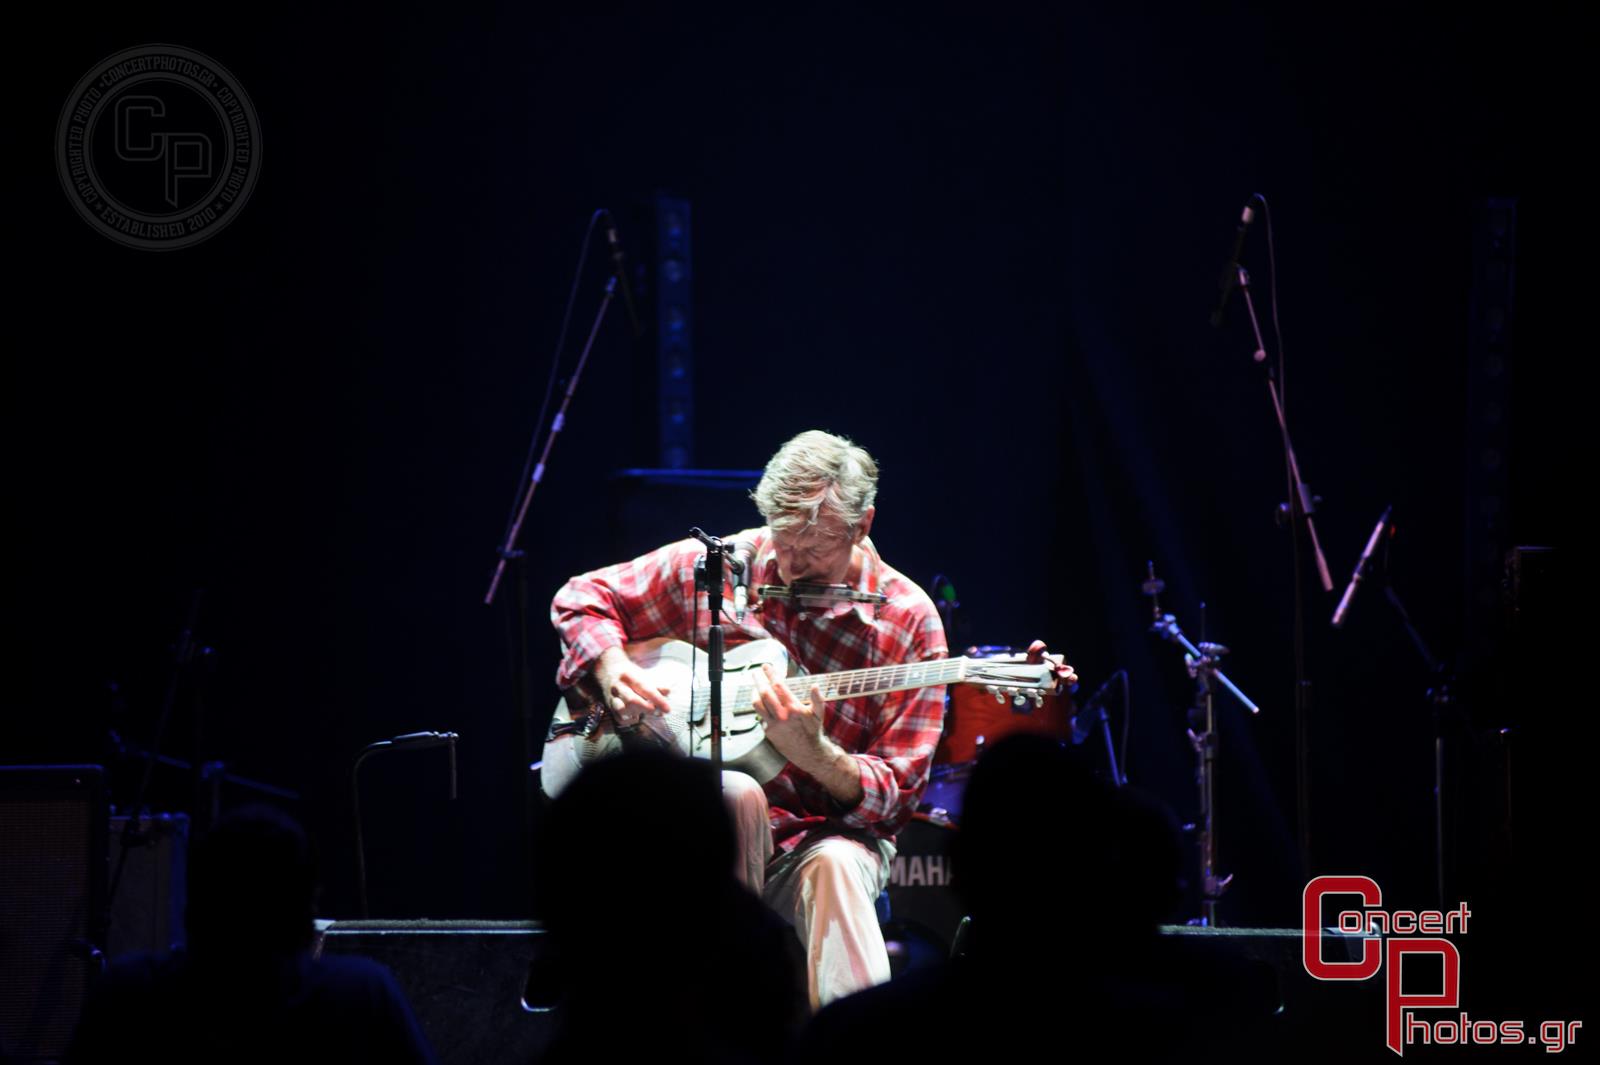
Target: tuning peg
994, 690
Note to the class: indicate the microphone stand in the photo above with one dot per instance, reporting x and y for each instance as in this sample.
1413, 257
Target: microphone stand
708, 579
1299, 509
508, 552
415, 741
1440, 699
1100, 720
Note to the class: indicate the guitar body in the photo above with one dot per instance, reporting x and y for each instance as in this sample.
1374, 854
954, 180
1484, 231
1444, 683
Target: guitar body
582, 731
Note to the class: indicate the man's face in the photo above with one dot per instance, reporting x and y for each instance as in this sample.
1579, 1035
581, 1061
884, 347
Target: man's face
817, 553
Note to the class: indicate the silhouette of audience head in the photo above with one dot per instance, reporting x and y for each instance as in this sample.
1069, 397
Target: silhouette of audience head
638, 827
1046, 845
252, 887
651, 930
248, 989
1067, 879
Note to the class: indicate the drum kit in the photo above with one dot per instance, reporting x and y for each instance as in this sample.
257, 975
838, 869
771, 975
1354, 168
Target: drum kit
974, 718
925, 913
924, 910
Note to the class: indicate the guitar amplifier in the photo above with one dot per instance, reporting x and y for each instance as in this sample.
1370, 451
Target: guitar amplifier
52, 885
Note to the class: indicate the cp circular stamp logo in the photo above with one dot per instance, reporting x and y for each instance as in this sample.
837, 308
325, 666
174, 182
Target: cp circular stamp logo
158, 147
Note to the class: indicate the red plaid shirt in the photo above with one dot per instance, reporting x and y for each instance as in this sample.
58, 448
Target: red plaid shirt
892, 737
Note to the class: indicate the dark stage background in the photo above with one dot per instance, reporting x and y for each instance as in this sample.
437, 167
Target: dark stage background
983, 243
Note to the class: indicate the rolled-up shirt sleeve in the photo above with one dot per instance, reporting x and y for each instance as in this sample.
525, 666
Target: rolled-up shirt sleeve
646, 597
894, 771
895, 764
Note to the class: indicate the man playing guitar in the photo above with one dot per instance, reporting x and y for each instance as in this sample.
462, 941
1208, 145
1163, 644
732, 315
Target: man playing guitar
817, 840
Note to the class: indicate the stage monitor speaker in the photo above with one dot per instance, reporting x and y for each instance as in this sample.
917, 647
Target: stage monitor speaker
464, 979
52, 885
1335, 1020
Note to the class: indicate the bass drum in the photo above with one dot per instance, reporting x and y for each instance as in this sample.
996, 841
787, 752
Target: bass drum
973, 717
947, 785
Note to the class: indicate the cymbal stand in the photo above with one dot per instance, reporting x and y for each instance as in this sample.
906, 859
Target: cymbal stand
1203, 662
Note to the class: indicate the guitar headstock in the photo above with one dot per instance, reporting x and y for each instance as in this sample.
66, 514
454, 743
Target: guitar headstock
1013, 680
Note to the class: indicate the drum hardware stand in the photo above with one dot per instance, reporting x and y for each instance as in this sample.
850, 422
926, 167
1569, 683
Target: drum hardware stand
186, 653
190, 662
1204, 665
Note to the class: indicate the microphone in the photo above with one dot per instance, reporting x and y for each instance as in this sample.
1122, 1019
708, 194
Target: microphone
419, 741
741, 560
620, 269
1230, 273
1356, 578
424, 739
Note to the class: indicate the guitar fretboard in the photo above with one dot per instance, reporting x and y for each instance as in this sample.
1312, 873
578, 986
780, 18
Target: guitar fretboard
847, 684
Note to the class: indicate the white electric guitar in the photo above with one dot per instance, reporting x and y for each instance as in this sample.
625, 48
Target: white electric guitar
583, 731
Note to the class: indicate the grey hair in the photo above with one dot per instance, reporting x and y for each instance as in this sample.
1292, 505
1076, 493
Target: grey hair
813, 473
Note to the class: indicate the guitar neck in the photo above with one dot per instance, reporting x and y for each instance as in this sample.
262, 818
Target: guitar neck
859, 683
853, 683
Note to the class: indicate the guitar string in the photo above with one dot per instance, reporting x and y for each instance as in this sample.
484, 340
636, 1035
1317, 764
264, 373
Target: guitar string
842, 685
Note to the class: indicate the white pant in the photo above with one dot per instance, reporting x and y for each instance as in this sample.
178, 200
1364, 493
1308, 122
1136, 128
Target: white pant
827, 887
